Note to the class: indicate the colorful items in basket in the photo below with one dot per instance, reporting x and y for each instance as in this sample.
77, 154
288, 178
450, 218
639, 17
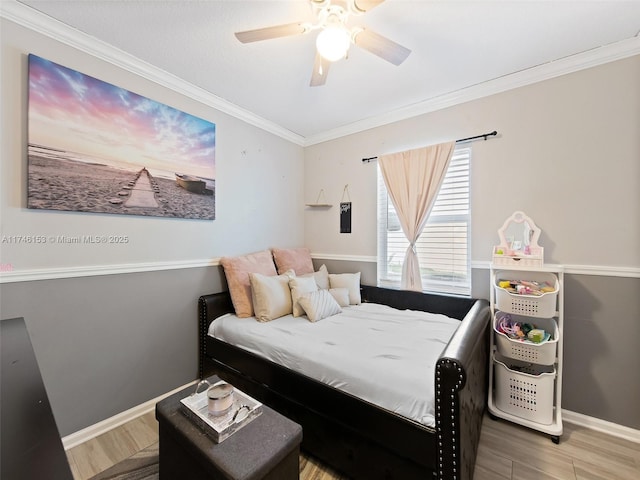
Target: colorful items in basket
519, 330
526, 287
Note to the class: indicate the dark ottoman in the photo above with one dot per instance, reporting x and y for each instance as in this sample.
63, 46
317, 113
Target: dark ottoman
266, 448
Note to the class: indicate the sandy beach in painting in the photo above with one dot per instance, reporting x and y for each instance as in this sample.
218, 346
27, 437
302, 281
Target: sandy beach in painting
63, 184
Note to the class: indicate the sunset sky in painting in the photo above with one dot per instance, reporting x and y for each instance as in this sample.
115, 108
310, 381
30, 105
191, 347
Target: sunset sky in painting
78, 113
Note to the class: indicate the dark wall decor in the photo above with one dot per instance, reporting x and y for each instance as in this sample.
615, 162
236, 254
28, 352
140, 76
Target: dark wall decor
345, 217
96, 147
345, 211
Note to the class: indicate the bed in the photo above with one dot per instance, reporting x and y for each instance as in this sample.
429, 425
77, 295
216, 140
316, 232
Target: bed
355, 436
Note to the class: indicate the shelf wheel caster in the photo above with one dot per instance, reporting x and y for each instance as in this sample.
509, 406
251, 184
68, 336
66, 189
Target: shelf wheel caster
555, 439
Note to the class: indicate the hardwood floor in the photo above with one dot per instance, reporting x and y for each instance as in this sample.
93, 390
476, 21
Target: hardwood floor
100, 453
506, 451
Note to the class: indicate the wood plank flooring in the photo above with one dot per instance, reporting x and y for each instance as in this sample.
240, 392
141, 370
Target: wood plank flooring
506, 452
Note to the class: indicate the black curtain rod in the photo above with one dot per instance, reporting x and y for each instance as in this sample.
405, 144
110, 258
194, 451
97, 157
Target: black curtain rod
462, 140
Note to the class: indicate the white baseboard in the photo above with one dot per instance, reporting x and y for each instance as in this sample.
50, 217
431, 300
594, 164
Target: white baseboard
104, 426
603, 426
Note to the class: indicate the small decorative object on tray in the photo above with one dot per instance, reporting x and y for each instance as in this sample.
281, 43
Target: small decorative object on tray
220, 410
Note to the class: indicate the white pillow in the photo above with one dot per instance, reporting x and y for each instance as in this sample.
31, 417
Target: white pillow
350, 281
271, 295
300, 286
340, 295
318, 305
321, 276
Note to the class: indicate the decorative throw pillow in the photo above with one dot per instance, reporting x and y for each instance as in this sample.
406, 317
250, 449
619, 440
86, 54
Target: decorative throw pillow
271, 295
321, 277
350, 281
237, 269
296, 259
300, 286
340, 295
319, 304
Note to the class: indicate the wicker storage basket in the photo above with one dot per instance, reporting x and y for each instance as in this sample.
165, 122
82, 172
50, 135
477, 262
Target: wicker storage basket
542, 306
526, 351
524, 390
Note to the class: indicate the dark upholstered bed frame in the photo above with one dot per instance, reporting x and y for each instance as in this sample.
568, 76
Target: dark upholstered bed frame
357, 438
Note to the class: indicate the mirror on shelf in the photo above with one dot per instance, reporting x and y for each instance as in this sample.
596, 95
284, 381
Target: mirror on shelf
519, 236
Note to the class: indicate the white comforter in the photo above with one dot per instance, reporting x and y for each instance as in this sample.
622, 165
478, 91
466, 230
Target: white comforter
382, 355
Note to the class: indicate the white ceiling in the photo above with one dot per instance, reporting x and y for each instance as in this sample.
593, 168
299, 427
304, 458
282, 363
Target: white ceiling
456, 45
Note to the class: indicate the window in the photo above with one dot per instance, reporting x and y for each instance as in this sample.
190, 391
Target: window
444, 245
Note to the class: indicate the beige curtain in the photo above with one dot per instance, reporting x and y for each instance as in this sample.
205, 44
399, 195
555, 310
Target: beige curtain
413, 179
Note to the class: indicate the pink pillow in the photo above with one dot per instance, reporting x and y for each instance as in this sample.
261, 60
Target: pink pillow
237, 270
296, 259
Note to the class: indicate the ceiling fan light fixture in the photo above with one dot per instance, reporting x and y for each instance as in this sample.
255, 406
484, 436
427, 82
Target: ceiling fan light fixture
333, 42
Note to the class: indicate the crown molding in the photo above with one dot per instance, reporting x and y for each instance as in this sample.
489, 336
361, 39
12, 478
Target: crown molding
573, 63
34, 20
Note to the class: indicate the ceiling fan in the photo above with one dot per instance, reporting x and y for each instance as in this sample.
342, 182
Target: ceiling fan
334, 38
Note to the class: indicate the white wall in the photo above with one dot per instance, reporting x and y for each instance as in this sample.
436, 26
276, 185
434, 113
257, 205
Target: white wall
259, 180
567, 154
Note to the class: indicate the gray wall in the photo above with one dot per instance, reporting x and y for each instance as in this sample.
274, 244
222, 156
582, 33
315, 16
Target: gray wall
108, 343
601, 354
601, 332
602, 357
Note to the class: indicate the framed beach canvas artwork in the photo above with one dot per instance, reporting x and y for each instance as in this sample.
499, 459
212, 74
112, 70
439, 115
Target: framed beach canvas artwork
95, 147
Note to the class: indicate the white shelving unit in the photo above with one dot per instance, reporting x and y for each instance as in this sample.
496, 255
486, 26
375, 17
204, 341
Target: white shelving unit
525, 378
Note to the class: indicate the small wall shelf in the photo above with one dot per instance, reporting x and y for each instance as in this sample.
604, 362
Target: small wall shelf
320, 201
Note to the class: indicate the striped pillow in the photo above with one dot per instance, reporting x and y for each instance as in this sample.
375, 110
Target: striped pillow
318, 305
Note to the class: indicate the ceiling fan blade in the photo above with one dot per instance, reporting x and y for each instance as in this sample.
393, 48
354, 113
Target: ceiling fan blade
366, 5
320, 71
268, 33
381, 46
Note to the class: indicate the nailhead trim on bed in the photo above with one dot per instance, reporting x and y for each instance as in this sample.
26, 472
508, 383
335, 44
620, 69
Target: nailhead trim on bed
439, 407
